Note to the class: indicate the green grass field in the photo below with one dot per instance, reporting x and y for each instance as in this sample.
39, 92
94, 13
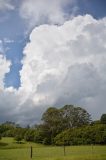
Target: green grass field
10, 150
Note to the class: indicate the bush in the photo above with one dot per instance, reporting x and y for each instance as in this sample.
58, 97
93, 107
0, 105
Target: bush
18, 138
29, 135
95, 134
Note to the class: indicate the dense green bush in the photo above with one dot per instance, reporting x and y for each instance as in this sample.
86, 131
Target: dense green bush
18, 138
29, 135
95, 134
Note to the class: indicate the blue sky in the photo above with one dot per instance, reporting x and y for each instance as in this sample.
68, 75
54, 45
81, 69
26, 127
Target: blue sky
94, 7
47, 49
12, 33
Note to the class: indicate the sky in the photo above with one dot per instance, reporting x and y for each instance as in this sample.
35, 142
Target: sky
52, 53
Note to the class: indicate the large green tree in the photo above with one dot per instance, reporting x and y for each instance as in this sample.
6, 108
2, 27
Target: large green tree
75, 116
56, 120
52, 120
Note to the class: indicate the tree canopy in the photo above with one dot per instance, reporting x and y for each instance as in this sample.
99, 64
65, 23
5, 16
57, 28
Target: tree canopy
70, 125
103, 119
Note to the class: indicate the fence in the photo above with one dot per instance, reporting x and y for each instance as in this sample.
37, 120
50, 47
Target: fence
66, 151
54, 153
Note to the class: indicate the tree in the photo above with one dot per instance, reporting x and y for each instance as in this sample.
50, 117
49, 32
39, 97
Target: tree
7, 129
52, 120
29, 135
51, 116
57, 120
103, 119
42, 134
18, 138
75, 116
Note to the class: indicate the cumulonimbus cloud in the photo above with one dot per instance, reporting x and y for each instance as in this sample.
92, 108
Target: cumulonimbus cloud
62, 64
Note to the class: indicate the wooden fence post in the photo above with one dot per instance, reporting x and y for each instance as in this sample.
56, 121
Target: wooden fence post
31, 152
64, 150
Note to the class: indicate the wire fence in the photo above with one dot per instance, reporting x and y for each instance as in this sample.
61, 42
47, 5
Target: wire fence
54, 152
67, 151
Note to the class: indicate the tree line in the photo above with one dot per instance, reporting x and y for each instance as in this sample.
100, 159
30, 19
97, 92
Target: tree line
69, 125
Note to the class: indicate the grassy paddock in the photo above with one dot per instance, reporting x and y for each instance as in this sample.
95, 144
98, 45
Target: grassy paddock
10, 150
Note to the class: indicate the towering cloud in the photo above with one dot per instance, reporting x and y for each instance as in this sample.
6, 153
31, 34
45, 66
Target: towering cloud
61, 64
66, 64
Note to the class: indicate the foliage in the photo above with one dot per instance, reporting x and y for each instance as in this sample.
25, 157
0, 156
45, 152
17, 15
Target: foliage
18, 138
75, 116
57, 120
5, 128
103, 119
95, 134
52, 123
68, 125
29, 135
42, 135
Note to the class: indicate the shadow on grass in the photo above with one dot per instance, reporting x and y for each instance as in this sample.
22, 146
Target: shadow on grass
2, 144
19, 142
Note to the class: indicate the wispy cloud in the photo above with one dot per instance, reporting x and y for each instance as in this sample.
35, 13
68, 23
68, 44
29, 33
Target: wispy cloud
37, 12
6, 5
7, 40
4, 68
1, 47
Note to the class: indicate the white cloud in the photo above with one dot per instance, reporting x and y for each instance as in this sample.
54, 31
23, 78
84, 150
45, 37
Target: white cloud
7, 40
4, 68
1, 47
66, 63
61, 64
45, 11
6, 5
